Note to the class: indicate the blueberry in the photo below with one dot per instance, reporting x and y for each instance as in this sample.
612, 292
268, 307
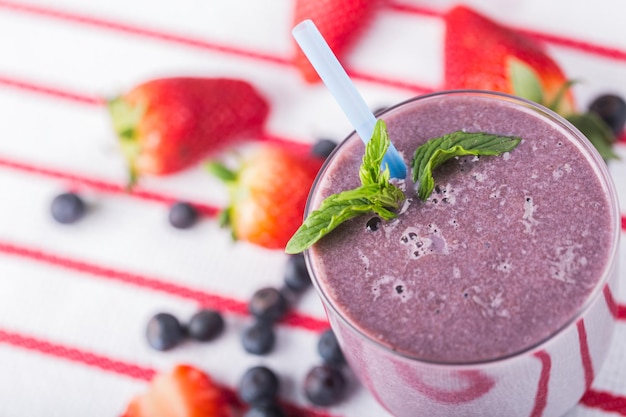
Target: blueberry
164, 332
323, 147
183, 215
259, 385
205, 325
267, 304
324, 385
266, 410
296, 276
612, 109
328, 348
259, 338
67, 208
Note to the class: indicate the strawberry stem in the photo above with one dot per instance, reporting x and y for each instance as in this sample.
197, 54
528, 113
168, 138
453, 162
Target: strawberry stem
220, 171
125, 119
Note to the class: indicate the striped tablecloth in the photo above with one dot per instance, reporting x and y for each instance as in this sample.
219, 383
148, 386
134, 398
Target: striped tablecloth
74, 301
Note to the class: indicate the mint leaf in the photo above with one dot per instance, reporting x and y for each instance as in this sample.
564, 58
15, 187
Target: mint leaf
597, 131
436, 151
370, 172
333, 211
375, 195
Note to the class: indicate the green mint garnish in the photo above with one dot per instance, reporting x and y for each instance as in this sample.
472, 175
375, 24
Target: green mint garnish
438, 150
375, 195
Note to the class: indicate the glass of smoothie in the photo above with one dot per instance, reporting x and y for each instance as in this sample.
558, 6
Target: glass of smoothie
495, 296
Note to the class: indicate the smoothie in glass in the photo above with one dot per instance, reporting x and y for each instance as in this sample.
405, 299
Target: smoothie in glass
494, 296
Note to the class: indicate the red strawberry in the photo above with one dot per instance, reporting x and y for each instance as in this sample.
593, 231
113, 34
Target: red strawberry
184, 392
481, 54
166, 125
268, 194
484, 55
341, 22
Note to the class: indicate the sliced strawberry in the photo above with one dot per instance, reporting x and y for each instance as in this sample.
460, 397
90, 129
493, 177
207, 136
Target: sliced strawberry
268, 194
184, 392
166, 125
341, 22
485, 55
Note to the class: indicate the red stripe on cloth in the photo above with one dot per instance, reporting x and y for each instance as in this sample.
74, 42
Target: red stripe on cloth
159, 35
297, 145
116, 366
84, 98
541, 397
113, 188
76, 355
101, 185
57, 93
605, 401
389, 82
83, 19
203, 298
585, 355
581, 46
51, 91
613, 307
414, 9
48, 12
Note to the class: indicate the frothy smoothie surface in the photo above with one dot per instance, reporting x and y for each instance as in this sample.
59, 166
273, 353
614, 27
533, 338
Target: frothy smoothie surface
504, 252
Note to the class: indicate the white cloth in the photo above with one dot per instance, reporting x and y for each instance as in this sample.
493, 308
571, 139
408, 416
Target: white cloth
74, 300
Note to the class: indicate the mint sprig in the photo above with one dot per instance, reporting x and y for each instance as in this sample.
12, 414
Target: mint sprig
436, 151
375, 195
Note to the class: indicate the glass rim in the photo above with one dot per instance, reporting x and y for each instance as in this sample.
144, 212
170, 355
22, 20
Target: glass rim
603, 174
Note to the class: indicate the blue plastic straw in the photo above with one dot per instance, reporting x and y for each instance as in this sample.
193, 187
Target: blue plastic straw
343, 90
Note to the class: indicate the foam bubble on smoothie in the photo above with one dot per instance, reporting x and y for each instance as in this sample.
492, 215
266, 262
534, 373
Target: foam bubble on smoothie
365, 261
480, 176
456, 272
401, 291
561, 170
420, 244
393, 288
567, 263
492, 304
443, 193
504, 266
528, 218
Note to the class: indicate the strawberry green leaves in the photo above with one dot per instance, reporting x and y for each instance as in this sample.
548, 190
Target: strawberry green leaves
438, 150
526, 84
525, 81
376, 194
597, 131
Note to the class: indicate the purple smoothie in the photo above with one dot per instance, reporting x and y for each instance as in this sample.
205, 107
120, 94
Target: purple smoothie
503, 254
